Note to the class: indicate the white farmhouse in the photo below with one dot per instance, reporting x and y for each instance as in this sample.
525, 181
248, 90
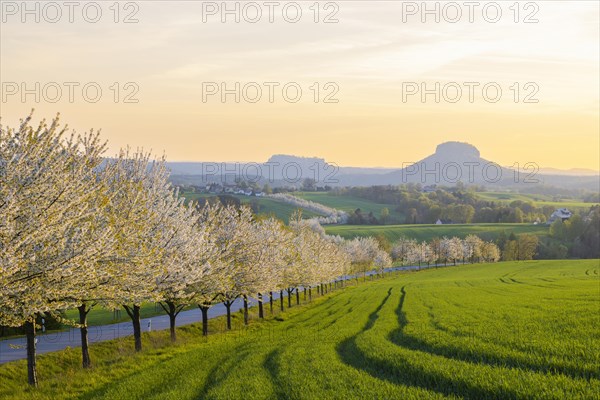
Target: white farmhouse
562, 214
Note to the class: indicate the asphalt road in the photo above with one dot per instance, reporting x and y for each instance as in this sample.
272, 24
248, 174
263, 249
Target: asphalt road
15, 349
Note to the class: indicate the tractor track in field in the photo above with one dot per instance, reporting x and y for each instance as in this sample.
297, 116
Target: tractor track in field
406, 373
401, 339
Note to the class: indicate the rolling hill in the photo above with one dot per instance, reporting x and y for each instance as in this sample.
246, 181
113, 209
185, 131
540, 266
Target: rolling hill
262, 206
510, 330
427, 232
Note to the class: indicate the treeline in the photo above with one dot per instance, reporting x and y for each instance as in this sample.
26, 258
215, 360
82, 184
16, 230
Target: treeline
444, 250
78, 231
452, 205
519, 247
577, 237
574, 238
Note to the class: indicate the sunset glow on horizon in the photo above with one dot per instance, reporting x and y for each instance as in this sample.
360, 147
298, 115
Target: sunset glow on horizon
379, 87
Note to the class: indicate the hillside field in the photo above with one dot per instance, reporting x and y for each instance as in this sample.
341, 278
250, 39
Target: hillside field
538, 200
427, 232
511, 330
351, 203
267, 206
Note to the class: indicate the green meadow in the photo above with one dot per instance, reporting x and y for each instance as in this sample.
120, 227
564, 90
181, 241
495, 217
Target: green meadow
266, 206
510, 330
351, 203
538, 200
427, 232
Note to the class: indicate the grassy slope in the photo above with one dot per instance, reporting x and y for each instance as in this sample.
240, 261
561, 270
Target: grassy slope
351, 203
279, 209
539, 200
427, 232
508, 330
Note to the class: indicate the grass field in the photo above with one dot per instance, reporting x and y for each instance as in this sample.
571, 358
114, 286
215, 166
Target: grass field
527, 330
427, 232
278, 209
351, 203
539, 200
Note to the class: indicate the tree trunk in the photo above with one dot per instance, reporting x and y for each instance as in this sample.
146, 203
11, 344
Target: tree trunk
304, 294
31, 365
297, 297
85, 350
245, 310
134, 314
289, 297
228, 307
261, 313
137, 328
310, 294
172, 316
271, 301
204, 310
281, 299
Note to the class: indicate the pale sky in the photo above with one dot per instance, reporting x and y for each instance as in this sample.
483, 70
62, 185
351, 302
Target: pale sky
371, 55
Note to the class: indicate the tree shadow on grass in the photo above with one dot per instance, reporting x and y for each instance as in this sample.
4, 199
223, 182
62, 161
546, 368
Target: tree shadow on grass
216, 375
101, 391
316, 311
407, 374
272, 366
401, 339
325, 308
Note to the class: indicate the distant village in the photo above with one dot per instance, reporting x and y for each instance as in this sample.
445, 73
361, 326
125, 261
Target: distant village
242, 189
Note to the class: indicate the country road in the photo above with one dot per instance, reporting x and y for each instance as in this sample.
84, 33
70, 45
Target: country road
15, 349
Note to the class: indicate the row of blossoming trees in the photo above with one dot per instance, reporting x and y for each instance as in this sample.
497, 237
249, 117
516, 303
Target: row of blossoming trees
470, 249
78, 231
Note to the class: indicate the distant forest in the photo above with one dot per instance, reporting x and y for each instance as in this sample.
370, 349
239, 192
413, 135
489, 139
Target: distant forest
453, 205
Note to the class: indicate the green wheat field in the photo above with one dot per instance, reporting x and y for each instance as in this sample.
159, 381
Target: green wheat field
511, 330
